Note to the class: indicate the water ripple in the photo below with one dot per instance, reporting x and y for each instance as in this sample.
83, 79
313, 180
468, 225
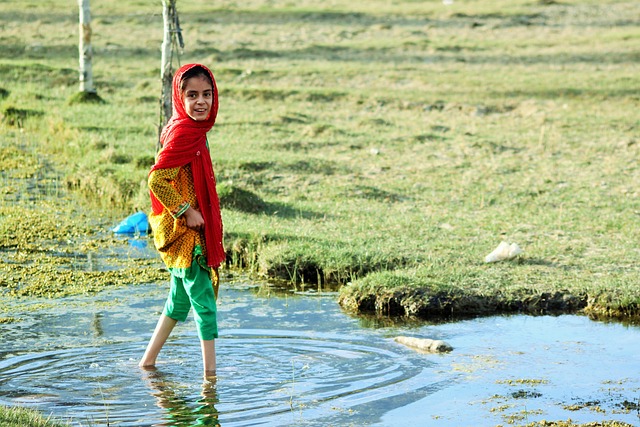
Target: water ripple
301, 361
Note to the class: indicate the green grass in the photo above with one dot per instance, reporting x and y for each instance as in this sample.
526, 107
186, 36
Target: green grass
22, 417
390, 146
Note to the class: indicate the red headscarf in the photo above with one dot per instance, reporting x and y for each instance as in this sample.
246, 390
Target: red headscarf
184, 141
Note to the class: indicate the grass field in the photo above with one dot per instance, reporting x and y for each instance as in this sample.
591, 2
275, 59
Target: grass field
383, 146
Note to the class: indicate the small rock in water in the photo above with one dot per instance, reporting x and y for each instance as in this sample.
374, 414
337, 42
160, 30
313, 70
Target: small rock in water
425, 344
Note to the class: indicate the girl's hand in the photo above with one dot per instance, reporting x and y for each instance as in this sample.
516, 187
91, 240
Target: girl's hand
193, 219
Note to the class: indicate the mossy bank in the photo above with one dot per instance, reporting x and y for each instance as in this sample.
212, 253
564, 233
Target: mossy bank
389, 147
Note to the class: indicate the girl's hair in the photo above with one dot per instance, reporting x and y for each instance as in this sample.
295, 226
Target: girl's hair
196, 71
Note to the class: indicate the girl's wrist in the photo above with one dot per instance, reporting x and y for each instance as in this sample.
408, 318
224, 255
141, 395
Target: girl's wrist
181, 209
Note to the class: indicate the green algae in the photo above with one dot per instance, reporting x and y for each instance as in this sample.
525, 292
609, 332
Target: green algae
569, 423
523, 381
53, 246
51, 282
525, 389
48, 250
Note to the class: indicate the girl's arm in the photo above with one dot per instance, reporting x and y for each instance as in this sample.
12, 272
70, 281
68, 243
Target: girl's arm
161, 185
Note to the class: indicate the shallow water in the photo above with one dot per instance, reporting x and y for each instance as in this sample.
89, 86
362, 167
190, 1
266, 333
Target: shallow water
286, 359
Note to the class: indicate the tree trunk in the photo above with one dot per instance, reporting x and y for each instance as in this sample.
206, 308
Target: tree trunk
166, 73
86, 53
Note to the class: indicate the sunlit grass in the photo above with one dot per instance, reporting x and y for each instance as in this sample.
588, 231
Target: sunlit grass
388, 142
21, 417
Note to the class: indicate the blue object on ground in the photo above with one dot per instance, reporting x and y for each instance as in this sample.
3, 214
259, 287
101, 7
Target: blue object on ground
136, 223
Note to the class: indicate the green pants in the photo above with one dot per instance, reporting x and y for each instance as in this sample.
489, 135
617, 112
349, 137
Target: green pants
192, 287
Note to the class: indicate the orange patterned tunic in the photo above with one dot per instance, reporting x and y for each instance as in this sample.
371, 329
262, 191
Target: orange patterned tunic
176, 243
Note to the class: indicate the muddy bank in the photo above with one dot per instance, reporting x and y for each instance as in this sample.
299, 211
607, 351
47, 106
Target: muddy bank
424, 303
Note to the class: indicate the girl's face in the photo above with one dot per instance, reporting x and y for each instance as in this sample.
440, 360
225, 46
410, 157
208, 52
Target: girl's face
198, 97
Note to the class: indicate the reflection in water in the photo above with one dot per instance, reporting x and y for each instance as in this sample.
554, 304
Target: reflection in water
96, 325
282, 361
178, 406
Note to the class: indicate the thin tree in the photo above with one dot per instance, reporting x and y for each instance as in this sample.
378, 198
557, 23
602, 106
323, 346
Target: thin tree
171, 39
88, 91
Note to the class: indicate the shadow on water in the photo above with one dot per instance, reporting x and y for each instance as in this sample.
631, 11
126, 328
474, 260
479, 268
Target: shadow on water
297, 359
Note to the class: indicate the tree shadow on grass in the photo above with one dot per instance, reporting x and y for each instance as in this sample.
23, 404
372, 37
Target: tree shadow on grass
282, 210
241, 200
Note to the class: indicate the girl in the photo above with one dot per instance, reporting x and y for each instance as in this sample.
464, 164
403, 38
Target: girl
186, 220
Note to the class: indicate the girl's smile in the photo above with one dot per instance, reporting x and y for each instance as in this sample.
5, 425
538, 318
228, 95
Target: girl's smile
198, 98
